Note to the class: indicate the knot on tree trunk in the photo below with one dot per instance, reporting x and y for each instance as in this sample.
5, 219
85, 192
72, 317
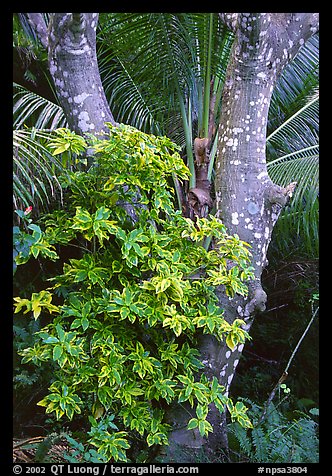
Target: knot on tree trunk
257, 301
277, 195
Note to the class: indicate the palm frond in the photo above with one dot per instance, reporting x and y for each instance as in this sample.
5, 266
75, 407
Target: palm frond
140, 80
32, 109
157, 61
297, 132
299, 80
35, 170
292, 148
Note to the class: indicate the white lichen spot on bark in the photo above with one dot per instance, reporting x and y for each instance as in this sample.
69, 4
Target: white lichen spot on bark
235, 220
84, 121
240, 311
261, 75
261, 175
81, 98
53, 68
237, 130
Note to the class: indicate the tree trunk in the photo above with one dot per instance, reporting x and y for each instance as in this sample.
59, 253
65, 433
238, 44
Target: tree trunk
71, 42
247, 201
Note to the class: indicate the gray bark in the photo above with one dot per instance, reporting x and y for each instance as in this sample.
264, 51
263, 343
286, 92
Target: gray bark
71, 42
247, 201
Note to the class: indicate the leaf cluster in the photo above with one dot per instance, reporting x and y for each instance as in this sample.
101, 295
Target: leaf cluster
124, 337
26, 244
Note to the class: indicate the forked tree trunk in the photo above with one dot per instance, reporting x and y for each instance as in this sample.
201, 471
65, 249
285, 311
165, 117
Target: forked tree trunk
247, 201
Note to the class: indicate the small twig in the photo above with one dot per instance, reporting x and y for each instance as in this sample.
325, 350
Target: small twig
301, 339
285, 372
259, 357
28, 441
276, 307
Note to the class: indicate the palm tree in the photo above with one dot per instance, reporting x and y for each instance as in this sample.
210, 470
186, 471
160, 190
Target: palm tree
188, 55
163, 73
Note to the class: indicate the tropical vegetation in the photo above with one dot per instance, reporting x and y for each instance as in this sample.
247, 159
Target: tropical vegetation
108, 236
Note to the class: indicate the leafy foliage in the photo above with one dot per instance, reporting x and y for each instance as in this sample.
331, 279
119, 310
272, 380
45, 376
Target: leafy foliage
25, 244
276, 439
292, 147
129, 310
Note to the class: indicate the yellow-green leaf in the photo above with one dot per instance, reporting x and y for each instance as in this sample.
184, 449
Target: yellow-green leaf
230, 341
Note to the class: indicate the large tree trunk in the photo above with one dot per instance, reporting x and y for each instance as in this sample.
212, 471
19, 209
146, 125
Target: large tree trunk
247, 201
71, 42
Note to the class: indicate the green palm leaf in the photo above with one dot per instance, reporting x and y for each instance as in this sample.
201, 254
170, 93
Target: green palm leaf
142, 81
30, 108
298, 81
293, 148
35, 170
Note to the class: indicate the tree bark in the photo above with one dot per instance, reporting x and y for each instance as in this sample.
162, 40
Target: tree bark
71, 43
247, 201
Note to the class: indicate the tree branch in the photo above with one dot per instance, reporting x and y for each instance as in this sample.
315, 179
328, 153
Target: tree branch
38, 23
297, 27
285, 372
302, 25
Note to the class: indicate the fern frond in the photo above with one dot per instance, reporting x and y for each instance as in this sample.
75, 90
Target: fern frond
241, 435
261, 445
